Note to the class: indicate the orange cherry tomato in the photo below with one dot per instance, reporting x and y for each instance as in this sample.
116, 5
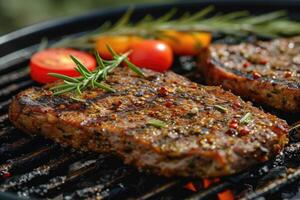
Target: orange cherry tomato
120, 44
57, 60
152, 54
186, 43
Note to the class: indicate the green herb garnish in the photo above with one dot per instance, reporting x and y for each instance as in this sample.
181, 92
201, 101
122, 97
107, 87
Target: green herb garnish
156, 123
221, 108
92, 79
246, 119
235, 23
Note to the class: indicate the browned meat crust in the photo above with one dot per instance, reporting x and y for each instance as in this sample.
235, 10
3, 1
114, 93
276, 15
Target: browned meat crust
203, 136
266, 72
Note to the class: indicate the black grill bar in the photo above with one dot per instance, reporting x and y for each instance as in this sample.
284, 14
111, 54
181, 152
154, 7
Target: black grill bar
212, 190
7, 134
160, 189
12, 89
88, 192
10, 134
105, 178
54, 186
3, 118
16, 60
14, 77
275, 185
21, 164
10, 150
8, 89
4, 105
41, 173
4, 122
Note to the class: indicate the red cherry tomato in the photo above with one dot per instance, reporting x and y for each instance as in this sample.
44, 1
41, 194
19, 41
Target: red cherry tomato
152, 54
57, 60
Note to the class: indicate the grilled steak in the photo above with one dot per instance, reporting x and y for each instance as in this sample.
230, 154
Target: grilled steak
265, 72
163, 123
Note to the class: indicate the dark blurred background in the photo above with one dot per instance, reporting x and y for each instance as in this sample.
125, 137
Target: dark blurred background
15, 14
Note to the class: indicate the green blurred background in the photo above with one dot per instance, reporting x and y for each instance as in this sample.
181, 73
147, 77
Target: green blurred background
15, 14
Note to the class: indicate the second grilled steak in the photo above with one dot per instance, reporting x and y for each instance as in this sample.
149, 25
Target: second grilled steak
163, 123
265, 72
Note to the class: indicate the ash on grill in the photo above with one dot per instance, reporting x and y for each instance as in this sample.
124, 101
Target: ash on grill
36, 167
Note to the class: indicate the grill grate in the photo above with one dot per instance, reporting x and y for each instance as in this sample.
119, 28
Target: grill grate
36, 167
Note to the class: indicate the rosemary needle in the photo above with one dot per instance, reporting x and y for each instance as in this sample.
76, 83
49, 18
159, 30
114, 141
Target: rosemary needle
246, 119
156, 123
221, 108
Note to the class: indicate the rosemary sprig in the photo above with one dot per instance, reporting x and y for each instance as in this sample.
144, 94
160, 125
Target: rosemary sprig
92, 79
235, 23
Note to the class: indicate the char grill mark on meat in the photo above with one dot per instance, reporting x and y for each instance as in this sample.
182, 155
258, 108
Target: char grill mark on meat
264, 72
203, 136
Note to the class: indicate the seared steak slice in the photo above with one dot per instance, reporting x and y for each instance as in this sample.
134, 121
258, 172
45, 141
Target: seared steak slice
265, 72
207, 132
